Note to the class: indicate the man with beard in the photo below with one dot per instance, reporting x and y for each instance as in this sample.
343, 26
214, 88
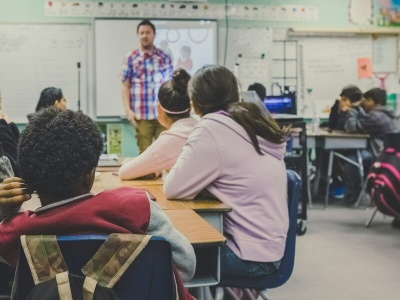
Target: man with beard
143, 72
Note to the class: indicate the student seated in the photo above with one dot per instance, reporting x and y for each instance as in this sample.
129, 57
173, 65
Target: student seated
58, 154
50, 96
349, 95
173, 114
372, 116
236, 154
259, 89
367, 116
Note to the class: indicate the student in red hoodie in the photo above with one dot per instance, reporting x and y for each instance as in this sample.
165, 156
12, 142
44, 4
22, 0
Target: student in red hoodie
58, 155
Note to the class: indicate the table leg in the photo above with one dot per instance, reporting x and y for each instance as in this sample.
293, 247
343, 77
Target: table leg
361, 169
328, 178
317, 176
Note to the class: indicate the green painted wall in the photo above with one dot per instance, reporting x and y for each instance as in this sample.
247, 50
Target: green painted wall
331, 14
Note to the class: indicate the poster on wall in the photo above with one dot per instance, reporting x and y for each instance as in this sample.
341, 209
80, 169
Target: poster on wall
389, 13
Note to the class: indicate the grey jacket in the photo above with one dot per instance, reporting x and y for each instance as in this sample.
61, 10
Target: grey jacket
377, 122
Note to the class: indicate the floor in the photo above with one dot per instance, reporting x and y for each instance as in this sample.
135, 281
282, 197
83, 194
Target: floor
339, 258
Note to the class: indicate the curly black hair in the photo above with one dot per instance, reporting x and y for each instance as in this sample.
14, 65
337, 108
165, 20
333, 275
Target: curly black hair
57, 149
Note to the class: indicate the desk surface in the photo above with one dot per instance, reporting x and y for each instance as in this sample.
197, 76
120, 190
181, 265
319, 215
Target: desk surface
195, 228
190, 224
107, 181
323, 132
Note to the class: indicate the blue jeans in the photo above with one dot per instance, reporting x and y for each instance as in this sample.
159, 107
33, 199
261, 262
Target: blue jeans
233, 267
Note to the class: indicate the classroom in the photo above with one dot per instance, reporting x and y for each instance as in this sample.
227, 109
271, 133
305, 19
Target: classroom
309, 55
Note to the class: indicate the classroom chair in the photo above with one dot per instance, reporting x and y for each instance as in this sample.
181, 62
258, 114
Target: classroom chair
286, 267
6, 279
150, 276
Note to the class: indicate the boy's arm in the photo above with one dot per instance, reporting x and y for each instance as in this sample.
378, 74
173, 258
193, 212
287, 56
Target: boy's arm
182, 251
353, 117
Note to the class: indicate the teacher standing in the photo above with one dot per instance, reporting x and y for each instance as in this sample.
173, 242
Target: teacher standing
143, 72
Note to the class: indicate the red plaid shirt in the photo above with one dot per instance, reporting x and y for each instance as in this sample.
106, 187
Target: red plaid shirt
146, 72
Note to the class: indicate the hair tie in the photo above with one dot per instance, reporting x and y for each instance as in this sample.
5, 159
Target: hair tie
174, 112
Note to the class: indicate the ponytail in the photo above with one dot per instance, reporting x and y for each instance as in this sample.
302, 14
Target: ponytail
256, 123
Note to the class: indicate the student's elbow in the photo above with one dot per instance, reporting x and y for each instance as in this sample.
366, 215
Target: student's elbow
123, 173
188, 272
170, 191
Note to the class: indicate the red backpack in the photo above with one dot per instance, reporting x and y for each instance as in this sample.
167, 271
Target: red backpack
383, 182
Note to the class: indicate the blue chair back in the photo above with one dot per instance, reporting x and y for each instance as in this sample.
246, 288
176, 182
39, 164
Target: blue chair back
150, 276
6, 279
287, 263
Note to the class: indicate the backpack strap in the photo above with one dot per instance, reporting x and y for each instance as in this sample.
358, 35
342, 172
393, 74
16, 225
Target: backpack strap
63, 286
113, 258
43, 256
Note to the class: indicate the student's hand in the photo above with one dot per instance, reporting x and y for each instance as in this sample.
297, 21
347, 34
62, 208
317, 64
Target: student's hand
130, 115
13, 192
344, 105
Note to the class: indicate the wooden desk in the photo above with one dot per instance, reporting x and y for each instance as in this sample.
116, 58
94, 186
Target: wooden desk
206, 242
331, 141
211, 210
107, 180
337, 140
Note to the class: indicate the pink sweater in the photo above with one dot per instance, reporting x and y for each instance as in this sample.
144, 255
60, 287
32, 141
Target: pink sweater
220, 158
162, 154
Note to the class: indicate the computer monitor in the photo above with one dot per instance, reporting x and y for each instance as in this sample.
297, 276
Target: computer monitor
284, 104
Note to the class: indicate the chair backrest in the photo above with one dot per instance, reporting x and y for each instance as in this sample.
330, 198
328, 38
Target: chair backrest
6, 279
392, 140
287, 264
150, 276
285, 270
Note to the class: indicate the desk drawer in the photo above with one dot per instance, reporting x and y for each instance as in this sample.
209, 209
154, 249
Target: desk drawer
342, 143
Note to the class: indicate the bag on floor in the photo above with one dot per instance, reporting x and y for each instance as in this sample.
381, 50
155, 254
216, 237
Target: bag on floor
383, 182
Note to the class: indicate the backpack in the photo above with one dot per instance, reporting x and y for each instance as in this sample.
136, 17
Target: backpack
383, 182
50, 272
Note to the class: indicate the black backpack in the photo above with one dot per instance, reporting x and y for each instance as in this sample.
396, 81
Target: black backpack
383, 182
50, 272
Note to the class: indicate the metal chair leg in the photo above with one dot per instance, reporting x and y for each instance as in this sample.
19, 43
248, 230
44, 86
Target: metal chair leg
219, 293
264, 295
369, 221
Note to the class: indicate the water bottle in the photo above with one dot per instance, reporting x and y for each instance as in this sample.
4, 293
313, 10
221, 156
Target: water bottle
289, 144
6, 169
315, 124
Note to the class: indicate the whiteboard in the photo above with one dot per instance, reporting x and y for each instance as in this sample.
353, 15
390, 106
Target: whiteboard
384, 54
326, 65
114, 38
33, 57
250, 49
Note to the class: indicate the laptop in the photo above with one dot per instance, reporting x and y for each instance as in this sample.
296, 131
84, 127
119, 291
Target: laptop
252, 97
